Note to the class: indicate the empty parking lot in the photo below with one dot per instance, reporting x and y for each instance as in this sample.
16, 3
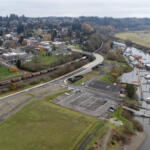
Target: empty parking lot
87, 102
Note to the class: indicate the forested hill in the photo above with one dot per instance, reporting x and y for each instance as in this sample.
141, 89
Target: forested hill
116, 23
119, 23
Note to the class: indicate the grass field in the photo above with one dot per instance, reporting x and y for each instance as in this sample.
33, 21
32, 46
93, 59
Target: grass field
108, 78
138, 37
43, 125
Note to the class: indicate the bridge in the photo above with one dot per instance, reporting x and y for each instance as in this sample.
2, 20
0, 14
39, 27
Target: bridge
143, 113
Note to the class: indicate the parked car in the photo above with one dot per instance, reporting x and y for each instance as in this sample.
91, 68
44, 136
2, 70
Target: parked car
147, 76
148, 99
111, 109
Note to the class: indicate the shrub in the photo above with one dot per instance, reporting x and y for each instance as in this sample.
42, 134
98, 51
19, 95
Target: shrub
128, 115
130, 89
128, 130
138, 126
13, 86
120, 137
13, 70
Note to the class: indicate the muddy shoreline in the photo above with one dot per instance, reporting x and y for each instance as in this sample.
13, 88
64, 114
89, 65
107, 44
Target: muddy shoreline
136, 141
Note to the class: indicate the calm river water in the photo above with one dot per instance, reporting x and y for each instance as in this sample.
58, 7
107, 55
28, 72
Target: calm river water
135, 76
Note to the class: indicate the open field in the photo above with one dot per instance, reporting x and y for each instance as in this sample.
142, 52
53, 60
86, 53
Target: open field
138, 37
43, 125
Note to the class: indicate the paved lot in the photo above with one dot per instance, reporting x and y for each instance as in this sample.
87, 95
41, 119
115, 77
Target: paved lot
87, 102
105, 87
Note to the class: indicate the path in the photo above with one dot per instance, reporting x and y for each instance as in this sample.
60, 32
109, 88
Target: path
89, 138
104, 146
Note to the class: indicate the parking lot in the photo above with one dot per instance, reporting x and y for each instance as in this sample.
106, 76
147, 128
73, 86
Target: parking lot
106, 87
87, 102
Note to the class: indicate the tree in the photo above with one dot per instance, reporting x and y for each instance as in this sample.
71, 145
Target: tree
42, 49
13, 86
13, 70
18, 63
130, 89
21, 40
20, 28
47, 37
87, 28
1, 42
38, 32
112, 56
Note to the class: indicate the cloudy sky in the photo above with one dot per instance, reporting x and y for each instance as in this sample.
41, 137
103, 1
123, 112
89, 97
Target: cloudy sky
40, 8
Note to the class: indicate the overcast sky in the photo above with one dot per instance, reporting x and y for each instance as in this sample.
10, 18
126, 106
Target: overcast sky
43, 8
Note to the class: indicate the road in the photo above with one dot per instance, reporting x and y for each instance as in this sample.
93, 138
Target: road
88, 68
106, 139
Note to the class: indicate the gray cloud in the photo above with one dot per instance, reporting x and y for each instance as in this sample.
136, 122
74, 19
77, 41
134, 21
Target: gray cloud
115, 8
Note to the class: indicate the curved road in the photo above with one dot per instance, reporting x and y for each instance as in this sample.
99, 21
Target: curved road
88, 67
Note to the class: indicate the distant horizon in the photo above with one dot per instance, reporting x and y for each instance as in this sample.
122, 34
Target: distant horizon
72, 16
76, 8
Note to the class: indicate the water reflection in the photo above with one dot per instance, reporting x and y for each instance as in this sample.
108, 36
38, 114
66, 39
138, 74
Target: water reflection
146, 125
138, 75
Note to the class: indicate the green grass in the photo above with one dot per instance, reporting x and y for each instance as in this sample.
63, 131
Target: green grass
75, 46
118, 115
108, 78
98, 134
4, 71
43, 125
138, 37
5, 74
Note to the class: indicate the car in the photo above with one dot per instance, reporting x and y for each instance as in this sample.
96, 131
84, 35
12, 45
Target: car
111, 109
83, 84
76, 90
147, 76
148, 99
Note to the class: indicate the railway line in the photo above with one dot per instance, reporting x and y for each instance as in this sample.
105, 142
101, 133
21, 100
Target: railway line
36, 74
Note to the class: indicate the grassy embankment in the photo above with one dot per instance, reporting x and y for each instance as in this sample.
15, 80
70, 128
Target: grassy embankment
120, 134
44, 125
138, 37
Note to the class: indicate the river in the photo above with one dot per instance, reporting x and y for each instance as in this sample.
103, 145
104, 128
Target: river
143, 91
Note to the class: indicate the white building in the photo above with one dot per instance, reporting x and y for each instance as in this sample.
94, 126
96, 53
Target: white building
12, 57
46, 45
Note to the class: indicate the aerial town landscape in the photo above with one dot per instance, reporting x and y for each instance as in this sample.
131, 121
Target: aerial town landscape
74, 82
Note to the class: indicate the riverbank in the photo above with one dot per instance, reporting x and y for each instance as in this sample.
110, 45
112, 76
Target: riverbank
136, 141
